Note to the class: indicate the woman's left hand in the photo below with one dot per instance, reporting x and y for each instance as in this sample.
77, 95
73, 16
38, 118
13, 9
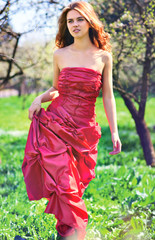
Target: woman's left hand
117, 145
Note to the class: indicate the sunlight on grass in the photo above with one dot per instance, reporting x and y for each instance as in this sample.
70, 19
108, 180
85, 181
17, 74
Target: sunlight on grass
120, 200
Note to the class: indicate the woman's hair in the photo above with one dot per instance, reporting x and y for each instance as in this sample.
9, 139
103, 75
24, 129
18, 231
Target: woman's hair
98, 36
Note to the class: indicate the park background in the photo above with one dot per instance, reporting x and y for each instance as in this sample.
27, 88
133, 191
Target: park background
121, 199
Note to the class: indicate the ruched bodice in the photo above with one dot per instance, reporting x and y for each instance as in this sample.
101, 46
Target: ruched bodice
78, 89
81, 83
61, 149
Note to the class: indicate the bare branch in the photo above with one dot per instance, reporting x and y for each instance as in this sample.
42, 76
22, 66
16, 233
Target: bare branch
10, 77
49, 2
122, 91
7, 78
4, 8
10, 32
139, 6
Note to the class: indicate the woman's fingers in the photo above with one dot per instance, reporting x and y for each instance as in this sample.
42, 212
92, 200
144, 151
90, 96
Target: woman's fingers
34, 108
114, 152
116, 147
37, 111
30, 114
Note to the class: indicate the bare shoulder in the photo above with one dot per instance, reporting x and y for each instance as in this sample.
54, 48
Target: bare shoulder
60, 51
57, 52
60, 56
106, 57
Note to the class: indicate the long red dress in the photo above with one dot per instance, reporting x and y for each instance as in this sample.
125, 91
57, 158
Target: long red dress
61, 150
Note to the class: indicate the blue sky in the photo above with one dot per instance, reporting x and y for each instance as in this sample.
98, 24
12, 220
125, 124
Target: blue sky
24, 20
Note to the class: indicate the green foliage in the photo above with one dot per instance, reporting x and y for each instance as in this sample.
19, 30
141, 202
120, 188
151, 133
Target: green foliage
120, 200
129, 24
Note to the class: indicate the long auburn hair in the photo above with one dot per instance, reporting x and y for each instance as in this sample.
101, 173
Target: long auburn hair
98, 36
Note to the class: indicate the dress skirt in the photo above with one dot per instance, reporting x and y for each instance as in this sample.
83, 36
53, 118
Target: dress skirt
61, 150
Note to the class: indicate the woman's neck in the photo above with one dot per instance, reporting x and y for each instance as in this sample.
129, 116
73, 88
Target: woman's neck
82, 44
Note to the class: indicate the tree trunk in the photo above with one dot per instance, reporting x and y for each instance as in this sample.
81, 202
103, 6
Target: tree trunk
146, 142
143, 132
146, 75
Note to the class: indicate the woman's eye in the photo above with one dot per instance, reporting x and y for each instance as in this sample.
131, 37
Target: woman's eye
80, 19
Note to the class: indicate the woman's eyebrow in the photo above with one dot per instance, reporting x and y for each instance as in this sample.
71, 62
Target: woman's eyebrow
72, 18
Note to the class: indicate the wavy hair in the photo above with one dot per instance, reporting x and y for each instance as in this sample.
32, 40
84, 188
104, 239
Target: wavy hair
98, 36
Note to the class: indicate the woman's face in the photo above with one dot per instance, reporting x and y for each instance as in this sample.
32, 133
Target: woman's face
77, 24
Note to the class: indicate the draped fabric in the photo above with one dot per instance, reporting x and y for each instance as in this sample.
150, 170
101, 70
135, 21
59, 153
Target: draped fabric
61, 149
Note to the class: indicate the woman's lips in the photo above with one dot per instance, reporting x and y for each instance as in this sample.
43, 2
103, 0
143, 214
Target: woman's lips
76, 30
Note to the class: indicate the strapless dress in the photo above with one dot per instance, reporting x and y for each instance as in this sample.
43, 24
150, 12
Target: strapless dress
61, 149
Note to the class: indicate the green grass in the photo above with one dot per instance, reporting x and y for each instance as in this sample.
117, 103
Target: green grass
120, 200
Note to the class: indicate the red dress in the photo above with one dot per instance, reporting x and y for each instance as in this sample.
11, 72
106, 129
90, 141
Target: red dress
61, 150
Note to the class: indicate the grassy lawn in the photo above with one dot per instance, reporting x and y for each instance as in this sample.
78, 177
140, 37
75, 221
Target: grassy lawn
120, 200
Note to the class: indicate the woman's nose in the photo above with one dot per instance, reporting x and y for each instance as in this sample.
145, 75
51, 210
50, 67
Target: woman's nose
75, 23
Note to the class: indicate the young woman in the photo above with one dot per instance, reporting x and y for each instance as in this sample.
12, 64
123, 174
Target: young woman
61, 149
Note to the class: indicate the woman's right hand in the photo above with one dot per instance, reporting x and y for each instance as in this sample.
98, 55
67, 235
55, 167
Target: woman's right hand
34, 108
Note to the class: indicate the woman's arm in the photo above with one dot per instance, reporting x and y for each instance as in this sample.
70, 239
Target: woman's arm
109, 104
50, 93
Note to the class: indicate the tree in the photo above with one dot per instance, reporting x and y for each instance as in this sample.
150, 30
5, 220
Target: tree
44, 11
132, 26
8, 35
